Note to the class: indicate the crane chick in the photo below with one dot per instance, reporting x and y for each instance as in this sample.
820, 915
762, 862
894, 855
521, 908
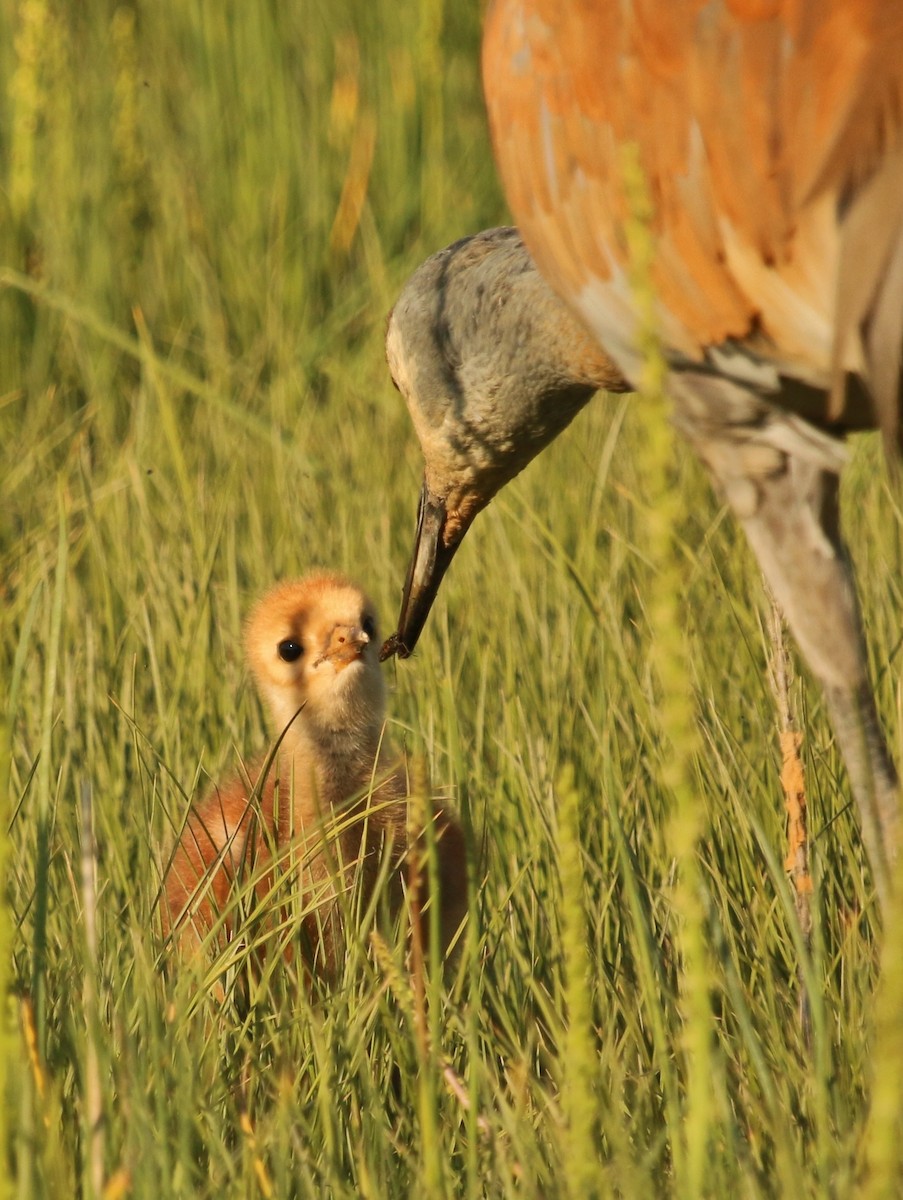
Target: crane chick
333, 802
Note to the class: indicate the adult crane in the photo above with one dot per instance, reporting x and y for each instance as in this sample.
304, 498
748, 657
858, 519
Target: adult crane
769, 136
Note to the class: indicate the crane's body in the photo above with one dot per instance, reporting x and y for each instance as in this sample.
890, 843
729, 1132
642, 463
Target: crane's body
769, 137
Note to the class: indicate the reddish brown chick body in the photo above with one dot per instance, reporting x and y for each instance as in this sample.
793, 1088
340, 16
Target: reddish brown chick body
333, 805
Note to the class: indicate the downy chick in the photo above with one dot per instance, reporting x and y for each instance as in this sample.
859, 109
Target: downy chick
334, 799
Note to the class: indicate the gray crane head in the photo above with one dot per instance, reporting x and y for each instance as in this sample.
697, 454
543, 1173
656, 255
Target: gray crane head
493, 366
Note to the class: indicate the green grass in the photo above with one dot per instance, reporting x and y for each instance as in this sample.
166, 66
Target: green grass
205, 214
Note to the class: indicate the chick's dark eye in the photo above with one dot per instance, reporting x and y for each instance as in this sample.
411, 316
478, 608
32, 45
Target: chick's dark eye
369, 626
290, 650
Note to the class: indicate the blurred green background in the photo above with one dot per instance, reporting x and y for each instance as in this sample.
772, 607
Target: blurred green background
206, 210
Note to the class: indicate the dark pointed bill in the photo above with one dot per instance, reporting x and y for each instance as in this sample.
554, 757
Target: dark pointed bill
428, 565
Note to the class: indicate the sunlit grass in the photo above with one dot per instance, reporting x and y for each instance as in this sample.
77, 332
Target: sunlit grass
205, 216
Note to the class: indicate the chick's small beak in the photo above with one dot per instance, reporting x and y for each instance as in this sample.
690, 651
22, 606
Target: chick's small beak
346, 644
429, 562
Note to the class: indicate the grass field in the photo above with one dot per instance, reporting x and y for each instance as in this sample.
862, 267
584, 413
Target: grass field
206, 210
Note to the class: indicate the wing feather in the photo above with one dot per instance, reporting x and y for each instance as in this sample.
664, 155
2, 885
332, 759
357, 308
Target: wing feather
769, 134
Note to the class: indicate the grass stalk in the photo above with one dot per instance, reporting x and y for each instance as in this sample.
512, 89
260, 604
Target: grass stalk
45, 778
7, 1035
582, 1168
93, 1090
677, 716
425, 999
882, 1154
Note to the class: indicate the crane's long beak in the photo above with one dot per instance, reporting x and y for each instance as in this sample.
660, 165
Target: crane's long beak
429, 562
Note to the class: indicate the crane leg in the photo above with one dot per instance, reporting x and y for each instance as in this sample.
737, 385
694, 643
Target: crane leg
781, 476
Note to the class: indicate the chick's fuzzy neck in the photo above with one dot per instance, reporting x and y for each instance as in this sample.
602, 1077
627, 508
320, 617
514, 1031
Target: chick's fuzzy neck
331, 762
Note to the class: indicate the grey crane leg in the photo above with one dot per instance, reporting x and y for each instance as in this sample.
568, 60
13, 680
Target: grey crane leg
781, 477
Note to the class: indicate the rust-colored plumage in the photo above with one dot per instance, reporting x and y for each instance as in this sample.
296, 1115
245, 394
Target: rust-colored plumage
769, 137
333, 805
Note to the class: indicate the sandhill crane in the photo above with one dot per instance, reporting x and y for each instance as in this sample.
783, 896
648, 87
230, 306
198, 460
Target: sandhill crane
493, 366
770, 140
335, 798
